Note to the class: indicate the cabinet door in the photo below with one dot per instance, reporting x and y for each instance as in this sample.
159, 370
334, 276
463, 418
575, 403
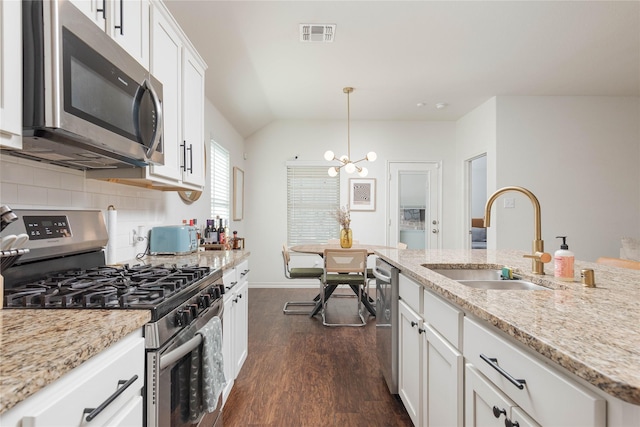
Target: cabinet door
166, 64
11, 74
193, 164
409, 355
227, 346
129, 26
442, 381
129, 415
241, 323
96, 10
481, 399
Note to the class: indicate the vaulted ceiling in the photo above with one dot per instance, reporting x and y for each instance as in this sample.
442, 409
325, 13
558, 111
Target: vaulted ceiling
398, 54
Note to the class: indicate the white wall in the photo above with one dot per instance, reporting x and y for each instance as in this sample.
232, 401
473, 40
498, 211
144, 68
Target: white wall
26, 184
578, 155
475, 135
269, 149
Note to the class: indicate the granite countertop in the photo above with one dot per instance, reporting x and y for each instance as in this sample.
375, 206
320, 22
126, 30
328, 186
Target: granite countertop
213, 259
592, 332
39, 346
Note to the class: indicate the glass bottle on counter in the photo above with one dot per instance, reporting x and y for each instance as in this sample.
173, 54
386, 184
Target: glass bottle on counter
222, 237
208, 231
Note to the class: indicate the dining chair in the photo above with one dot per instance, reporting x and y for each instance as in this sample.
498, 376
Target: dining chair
299, 273
344, 267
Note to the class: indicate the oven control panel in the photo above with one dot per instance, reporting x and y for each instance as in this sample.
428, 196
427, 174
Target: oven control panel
47, 227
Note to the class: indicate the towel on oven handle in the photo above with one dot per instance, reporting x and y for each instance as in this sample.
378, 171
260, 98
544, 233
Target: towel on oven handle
207, 370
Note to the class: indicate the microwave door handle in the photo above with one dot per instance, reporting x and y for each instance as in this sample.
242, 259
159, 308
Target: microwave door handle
146, 85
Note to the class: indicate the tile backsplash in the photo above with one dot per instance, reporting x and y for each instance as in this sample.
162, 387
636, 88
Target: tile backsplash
26, 184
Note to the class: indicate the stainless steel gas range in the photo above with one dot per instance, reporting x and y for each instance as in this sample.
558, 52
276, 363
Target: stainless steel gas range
64, 268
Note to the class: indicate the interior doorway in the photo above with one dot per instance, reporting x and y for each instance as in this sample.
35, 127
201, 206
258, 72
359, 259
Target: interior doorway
476, 168
414, 204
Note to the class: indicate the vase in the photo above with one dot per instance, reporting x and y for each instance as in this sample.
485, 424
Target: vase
346, 238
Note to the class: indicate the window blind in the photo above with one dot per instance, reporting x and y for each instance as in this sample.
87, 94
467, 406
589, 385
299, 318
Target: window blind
220, 179
312, 200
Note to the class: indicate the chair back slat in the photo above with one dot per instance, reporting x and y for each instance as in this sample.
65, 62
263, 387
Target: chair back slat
345, 260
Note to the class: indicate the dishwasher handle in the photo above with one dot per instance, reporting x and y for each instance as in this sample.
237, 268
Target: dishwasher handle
379, 274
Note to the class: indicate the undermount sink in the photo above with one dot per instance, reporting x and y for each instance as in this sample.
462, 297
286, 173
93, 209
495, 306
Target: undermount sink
508, 285
488, 279
470, 274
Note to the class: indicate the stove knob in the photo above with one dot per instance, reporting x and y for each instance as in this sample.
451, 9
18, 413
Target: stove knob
205, 300
222, 291
183, 317
193, 309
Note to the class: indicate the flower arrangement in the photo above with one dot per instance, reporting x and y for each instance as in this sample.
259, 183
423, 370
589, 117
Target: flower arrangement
343, 217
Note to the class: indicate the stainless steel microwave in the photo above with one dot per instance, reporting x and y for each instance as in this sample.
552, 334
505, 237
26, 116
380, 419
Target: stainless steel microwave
87, 103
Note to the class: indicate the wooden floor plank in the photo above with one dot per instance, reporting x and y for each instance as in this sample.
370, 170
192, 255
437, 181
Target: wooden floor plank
301, 373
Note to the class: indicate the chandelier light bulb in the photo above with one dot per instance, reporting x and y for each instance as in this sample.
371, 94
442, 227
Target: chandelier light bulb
328, 155
344, 158
363, 172
333, 171
372, 156
350, 167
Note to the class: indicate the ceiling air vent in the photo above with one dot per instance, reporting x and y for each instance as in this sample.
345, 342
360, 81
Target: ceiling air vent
317, 33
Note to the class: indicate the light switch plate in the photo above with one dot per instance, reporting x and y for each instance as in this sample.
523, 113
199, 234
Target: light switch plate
509, 202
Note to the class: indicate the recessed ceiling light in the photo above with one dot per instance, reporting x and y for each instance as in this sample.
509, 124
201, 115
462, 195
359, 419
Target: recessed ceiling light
441, 105
420, 104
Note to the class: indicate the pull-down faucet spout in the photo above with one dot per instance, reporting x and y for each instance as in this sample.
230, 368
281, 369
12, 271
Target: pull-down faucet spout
539, 256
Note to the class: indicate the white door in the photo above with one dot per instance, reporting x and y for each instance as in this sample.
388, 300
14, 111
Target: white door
414, 195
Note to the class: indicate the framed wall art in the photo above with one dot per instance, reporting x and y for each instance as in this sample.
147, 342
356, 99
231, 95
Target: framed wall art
238, 194
362, 194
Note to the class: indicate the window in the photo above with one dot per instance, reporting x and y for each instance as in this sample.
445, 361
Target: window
312, 200
219, 181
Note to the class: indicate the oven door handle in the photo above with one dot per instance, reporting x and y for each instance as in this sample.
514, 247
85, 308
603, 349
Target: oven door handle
174, 355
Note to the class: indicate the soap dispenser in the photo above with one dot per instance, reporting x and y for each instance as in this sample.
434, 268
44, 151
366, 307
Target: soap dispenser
563, 260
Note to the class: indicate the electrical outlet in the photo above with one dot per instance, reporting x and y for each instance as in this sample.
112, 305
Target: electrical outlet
509, 202
133, 234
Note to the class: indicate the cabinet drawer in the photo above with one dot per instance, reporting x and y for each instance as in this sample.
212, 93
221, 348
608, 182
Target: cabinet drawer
91, 384
443, 317
409, 292
242, 270
229, 278
548, 396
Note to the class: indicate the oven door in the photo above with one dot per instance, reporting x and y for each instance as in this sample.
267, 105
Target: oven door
169, 377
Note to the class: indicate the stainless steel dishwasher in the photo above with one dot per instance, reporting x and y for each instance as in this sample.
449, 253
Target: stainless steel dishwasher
387, 321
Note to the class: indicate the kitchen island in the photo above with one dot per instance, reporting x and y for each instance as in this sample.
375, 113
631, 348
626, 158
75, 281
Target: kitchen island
39, 346
592, 333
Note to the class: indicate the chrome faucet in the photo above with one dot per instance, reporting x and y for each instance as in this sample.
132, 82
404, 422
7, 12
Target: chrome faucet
538, 256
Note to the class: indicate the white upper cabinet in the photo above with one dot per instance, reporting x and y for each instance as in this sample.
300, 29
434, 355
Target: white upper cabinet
177, 65
126, 21
193, 165
11, 75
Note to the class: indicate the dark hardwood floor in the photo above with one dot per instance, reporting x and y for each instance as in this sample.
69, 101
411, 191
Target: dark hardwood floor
301, 373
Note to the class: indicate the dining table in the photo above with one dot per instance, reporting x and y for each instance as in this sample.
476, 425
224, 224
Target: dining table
318, 249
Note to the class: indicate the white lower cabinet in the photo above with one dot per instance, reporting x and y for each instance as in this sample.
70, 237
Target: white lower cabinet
541, 392
235, 324
409, 360
117, 372
487, 406
442, 381
430, 375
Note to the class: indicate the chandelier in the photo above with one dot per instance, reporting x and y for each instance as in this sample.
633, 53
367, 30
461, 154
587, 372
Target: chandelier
345, 160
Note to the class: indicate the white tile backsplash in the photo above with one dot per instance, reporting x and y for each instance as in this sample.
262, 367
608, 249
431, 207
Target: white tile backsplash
32, 185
